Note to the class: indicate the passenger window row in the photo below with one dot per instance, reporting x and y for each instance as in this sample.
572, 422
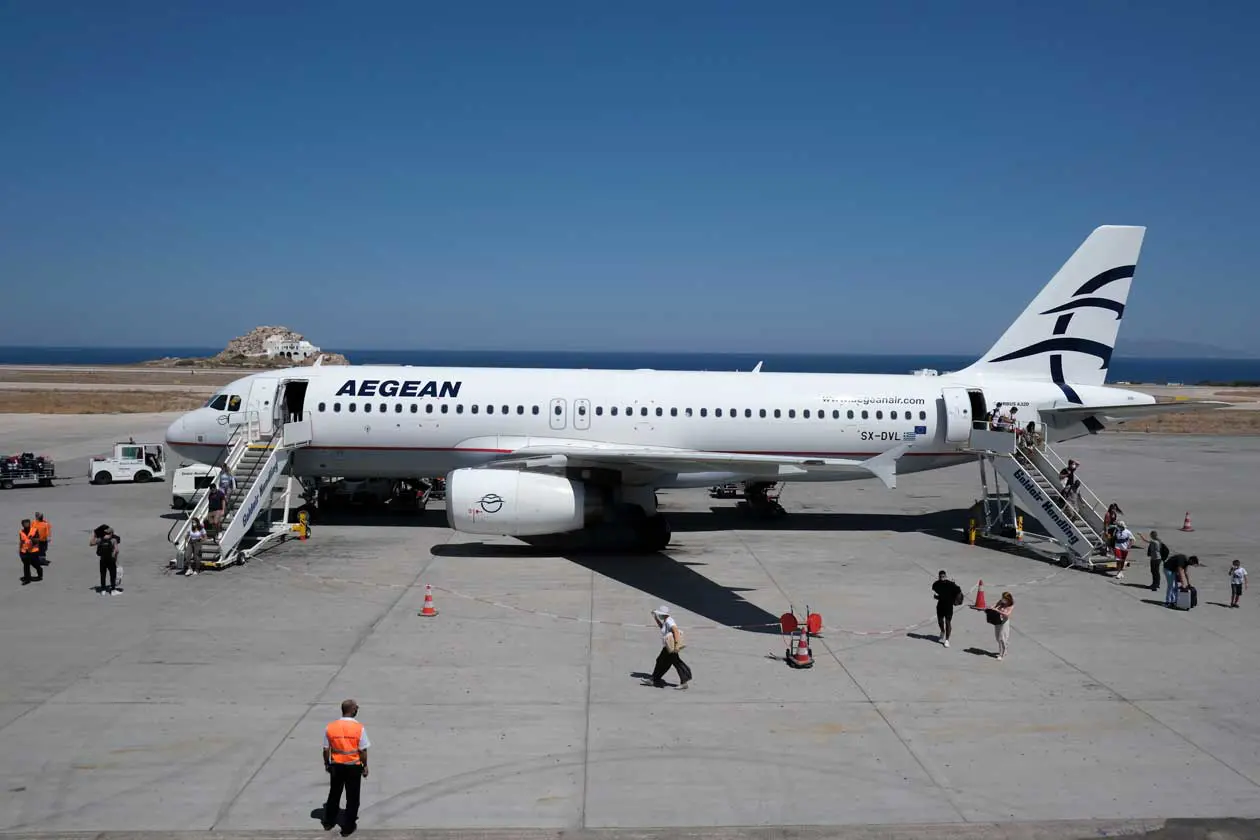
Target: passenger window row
629, 411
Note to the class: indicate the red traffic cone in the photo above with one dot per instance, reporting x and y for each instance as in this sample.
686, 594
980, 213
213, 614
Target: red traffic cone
980, 605
1186, 526
428, 609
802, 657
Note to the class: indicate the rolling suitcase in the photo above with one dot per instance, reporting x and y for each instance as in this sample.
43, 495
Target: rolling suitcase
1187, 598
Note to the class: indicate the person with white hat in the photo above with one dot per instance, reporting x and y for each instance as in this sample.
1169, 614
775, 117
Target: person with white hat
671, 646
1124, 539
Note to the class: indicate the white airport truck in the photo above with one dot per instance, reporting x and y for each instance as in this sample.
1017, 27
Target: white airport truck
131, 461
191, 483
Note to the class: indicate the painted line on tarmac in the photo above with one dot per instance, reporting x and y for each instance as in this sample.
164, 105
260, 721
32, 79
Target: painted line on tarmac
636, 626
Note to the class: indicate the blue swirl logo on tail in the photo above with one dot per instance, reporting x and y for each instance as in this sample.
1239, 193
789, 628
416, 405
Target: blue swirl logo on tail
1063, 343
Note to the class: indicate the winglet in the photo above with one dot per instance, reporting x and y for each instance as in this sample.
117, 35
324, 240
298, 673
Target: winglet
884, 465
757, 369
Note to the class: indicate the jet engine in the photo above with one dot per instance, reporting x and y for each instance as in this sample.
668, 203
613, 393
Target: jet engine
513, 503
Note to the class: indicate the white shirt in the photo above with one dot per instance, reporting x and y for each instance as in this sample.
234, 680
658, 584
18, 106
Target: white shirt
1123, 539
667, 627
364, 743
196, 534
1237, 575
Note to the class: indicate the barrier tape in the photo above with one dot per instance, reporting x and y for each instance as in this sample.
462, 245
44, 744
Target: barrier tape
635, 626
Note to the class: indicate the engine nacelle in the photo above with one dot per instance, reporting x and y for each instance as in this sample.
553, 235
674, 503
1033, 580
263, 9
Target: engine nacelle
513, 503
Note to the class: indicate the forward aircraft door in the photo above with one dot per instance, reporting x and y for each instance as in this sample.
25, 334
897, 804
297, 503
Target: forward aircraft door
557, 413
581, 414
957, 414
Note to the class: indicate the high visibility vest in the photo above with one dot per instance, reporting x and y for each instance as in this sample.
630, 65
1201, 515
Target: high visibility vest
27, 542
343, 741
41, 531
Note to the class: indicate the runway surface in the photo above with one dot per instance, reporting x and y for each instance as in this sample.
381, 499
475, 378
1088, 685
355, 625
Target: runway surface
197, 704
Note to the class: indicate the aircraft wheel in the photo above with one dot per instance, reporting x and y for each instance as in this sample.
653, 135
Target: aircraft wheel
655, 533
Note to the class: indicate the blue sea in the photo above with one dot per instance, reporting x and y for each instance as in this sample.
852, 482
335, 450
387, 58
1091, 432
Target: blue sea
1178, 371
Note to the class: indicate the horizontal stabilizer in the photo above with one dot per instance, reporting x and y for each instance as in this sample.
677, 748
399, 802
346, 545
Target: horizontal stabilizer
1129, 411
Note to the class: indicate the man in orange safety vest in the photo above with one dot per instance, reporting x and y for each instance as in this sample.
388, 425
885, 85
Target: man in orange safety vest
346, 760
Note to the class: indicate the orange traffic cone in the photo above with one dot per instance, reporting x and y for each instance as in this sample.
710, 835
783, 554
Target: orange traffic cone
1186, 526
429, 609
802, 657
979, 605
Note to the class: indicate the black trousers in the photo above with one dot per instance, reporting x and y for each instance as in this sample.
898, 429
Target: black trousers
343, 777
109, 565
663, 662
31, 561
1157, 575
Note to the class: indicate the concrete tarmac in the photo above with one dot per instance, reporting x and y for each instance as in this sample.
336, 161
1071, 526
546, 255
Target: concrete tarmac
196, 704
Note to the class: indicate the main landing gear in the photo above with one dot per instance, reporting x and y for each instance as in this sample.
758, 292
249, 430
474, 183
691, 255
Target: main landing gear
650, 532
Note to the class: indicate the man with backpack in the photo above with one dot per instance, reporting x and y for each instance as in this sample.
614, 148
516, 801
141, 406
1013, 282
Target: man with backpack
1157, 553
948, 595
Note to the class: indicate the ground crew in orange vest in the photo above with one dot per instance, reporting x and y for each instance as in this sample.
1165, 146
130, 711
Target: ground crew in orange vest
43, 536
346, 760
28, 549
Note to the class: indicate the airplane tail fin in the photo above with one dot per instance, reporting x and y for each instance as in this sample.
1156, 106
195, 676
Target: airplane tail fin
1068, 332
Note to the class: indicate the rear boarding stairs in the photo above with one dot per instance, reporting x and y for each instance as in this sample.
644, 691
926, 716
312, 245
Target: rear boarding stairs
257, 455
1022, 470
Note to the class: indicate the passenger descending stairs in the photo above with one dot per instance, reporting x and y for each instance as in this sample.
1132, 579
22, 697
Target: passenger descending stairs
258, 461
1030, 471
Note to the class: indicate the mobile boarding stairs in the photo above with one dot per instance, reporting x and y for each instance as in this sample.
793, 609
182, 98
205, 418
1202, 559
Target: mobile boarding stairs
257, 455
1021, 469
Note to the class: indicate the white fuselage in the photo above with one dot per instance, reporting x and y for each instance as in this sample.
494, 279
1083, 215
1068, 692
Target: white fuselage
406, 422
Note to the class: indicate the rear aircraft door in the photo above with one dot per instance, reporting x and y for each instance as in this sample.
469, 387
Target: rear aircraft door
957, 414
581, 414
557, 412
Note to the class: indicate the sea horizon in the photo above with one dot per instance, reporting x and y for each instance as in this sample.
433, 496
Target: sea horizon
1175, 371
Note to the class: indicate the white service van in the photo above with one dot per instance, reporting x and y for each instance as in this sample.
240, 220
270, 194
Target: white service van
190, 484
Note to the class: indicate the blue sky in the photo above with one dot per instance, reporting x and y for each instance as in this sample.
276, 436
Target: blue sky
812, 177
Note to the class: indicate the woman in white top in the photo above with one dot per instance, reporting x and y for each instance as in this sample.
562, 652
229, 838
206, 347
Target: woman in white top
671, 644
192, 552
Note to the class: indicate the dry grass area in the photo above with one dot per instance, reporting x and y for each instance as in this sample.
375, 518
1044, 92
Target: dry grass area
1209, 422
104, 376
47, 401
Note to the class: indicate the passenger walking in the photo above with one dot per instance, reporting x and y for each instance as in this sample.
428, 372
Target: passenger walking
1156, 553
1124, 539
1237, 582
106, 542
948, 595
346, 762
671, 647
216, 505
28, 553
1000, 618
192, 549
43, 531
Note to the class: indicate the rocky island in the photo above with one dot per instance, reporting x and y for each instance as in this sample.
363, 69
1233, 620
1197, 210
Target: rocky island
262, 348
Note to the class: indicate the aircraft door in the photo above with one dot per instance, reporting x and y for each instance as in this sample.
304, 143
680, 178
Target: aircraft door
263, 394
557, 412
581, 414
958, 417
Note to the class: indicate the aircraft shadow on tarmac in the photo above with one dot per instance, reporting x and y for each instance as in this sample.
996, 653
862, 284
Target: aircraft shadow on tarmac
946, 524
666, 579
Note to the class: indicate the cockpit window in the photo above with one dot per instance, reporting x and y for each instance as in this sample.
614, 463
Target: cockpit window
234, 403
218, 403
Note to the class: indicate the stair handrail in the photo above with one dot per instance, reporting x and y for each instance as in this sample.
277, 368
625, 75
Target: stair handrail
236, 442
255, 436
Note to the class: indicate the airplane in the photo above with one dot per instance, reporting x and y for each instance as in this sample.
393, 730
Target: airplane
530, 452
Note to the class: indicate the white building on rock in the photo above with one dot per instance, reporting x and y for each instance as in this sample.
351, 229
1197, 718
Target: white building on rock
288, 348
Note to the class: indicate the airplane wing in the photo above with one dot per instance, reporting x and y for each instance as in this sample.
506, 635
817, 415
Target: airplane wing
1129, 411
550, 454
